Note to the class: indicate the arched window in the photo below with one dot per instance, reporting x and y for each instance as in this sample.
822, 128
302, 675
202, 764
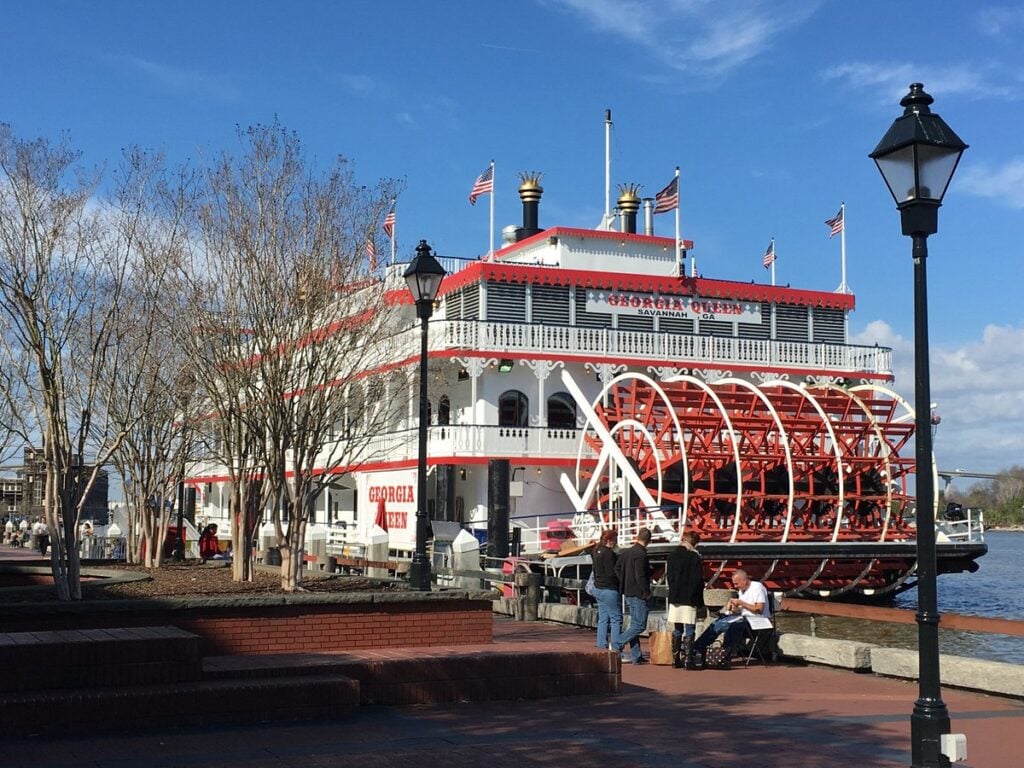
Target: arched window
513, 409
444, 411
561, 411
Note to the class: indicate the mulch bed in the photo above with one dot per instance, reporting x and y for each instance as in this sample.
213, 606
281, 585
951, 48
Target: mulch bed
193, 579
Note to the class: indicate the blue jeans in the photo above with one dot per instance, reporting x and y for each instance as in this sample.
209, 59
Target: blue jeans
638, 610
609, 617
733, 633
688, 630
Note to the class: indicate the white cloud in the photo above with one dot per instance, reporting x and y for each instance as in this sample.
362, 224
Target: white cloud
1000, 22
888, 82
360, 84
979, 388
186, 80
705, 40
1002, 183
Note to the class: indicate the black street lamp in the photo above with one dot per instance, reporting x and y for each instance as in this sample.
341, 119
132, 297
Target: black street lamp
179, 543
424, 277
917, 158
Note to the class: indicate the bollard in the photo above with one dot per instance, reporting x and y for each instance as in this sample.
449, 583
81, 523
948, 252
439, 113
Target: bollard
528, 585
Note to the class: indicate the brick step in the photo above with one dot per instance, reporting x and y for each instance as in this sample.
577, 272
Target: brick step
425, 677
98, 658
210, 702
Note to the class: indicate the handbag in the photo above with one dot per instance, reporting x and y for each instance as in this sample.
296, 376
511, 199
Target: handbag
589, 589
715, 657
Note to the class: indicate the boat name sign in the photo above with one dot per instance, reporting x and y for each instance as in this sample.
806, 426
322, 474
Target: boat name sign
650, 305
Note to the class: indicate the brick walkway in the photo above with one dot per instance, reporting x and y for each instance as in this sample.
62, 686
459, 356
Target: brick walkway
766, 716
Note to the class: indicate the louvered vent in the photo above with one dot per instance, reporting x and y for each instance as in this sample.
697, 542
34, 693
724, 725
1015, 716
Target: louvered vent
634, 323
471, 302
676, 324
551, 304
506, 302
790, 323
829, 326
586, 319
761, 330
716, 328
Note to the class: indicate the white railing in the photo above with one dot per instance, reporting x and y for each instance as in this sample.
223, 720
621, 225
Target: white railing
497, 338
473, 440
970, 529
341, 542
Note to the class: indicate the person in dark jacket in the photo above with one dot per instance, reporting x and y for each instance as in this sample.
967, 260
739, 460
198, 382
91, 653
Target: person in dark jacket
634, 572
606, 591
685, 575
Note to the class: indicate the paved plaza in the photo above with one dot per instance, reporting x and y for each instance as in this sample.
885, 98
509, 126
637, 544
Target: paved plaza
772, 716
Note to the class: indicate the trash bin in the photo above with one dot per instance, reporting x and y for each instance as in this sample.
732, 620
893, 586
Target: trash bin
273, 556
332, 564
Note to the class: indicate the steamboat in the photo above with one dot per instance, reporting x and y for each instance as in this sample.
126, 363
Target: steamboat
581, 379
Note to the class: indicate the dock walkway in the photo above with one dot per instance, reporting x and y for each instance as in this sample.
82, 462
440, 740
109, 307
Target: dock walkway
771, 716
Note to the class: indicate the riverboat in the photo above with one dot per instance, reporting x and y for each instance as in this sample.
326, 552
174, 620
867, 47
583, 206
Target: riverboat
581, 379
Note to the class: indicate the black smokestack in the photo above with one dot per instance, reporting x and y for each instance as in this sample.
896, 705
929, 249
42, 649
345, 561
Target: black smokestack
628, 204
530, 191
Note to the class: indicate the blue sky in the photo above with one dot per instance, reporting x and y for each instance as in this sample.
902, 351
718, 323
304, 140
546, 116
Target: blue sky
769, 108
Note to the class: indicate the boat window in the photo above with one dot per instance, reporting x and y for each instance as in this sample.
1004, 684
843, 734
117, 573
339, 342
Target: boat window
513, 409
444, 411
561, 411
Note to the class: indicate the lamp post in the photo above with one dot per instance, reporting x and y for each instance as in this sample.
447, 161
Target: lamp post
179, 543
424, 278
917, 158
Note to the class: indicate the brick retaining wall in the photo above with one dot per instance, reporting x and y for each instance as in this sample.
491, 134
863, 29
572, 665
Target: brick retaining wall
300, 623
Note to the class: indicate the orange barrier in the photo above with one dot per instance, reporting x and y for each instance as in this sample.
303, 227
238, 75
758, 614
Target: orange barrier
904, 616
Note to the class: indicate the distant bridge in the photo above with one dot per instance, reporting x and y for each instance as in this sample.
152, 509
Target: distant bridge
947, 476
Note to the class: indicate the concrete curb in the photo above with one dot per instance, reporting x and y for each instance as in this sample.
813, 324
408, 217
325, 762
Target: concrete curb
956, 671
846, 654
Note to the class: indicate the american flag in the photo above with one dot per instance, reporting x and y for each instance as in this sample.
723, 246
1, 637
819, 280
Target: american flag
371, 253
668, 199
483, 185
769, 255
836, 223
389, 223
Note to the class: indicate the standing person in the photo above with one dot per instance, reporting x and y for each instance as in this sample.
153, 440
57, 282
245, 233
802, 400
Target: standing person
606, 591
634, 571
42, 534
752, 600
685, 574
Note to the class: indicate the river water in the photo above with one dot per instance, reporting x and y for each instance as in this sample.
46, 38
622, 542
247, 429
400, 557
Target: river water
996, 589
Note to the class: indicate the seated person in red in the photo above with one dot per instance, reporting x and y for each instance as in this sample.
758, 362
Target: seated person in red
209, 547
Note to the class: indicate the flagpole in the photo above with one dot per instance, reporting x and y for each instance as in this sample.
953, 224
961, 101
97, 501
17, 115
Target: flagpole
843, 287
680, 267
607, 168
490, 242
773, 261
394, 228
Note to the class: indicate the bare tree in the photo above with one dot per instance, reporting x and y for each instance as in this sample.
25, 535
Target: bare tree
154, 390
288, 304
64, 258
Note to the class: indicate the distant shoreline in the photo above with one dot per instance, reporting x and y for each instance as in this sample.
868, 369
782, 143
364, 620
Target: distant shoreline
1008, 528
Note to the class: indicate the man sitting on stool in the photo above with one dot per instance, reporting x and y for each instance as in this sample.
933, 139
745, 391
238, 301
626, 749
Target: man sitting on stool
752, 601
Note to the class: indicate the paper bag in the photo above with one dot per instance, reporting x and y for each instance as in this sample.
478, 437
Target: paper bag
661, 648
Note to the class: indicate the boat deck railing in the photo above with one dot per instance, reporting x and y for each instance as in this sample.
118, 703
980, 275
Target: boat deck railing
485, 337
969, 529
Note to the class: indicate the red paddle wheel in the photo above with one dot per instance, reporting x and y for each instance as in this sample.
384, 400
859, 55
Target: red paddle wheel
779, 467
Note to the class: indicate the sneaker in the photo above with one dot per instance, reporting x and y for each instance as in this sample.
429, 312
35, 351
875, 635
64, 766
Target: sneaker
642, 660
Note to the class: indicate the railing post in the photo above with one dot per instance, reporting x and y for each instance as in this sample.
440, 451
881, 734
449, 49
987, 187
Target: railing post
528, 587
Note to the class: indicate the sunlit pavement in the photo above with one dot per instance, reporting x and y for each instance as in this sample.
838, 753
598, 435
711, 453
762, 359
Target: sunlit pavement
778, 715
